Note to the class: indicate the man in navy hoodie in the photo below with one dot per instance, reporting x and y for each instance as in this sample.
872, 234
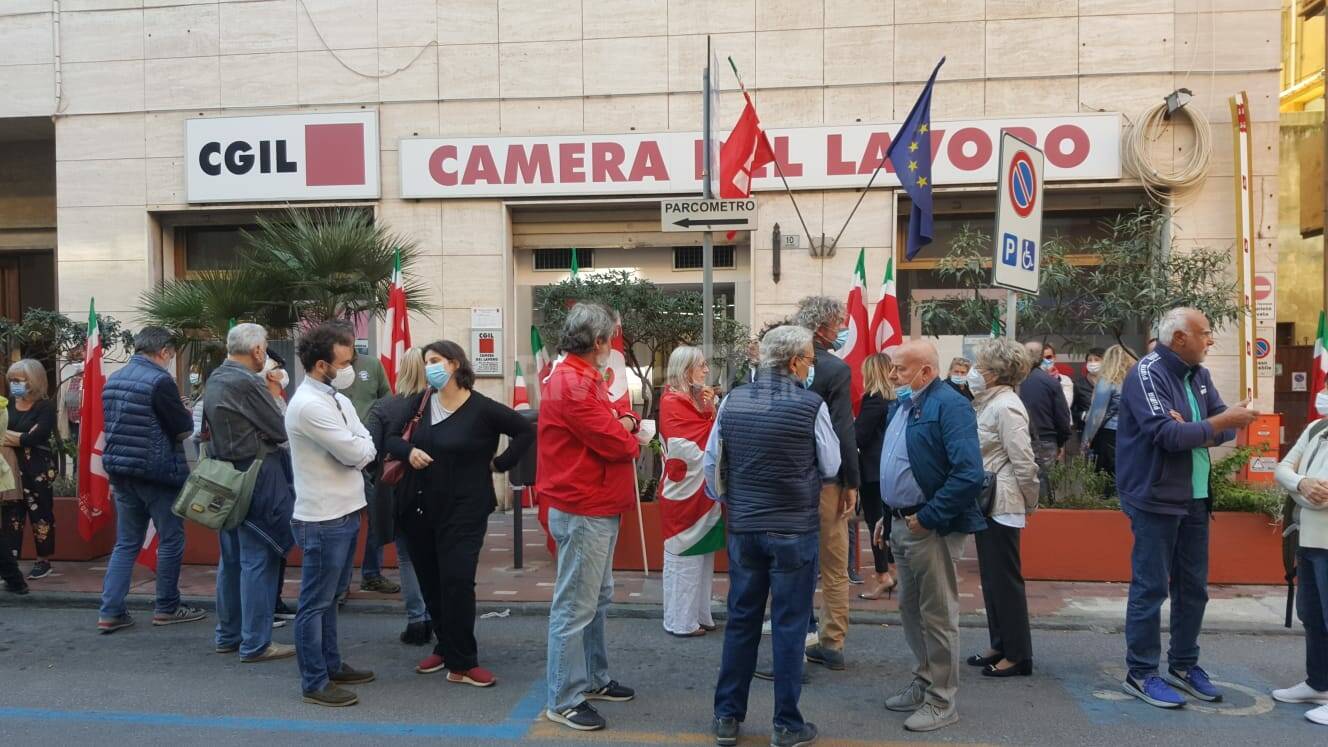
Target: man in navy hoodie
1170, 414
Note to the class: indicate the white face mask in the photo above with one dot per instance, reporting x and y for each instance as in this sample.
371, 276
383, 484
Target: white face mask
344, 378
976, 383
1093, 367
1321, 403
284, 378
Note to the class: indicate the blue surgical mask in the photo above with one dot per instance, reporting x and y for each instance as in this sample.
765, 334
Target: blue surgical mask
811, 376
841, 340
903, 392
18, 389
1048, 364
958, 380
437, 374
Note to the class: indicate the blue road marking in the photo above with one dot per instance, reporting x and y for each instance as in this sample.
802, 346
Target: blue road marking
513, 727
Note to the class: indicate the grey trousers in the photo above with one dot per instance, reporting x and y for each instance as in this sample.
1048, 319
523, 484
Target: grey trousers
929, 608
1044, 453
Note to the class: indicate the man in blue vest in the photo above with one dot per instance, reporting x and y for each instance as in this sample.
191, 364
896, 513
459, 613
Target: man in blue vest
1170, 413
146, 425
931, 475
779, 448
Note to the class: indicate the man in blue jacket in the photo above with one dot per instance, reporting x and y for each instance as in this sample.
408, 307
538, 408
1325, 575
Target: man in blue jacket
931, 475
1170, 414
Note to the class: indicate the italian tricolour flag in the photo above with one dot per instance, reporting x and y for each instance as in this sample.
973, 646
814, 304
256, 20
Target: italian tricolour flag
394, 333
1320, 365
94, 488
885, 329
860, 344
520, 397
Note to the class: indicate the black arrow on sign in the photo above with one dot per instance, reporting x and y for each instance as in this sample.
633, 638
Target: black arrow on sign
689, 222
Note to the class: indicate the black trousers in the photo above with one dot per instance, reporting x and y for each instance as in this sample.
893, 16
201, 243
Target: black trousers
446, 555
9, 572
36, 472
872, 511
1002, 577
1104, 449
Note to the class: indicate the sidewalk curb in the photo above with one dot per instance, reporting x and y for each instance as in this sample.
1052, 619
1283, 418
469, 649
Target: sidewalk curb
637, 611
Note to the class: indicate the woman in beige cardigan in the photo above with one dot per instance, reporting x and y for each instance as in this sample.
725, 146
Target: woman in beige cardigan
9, 572
1007, 452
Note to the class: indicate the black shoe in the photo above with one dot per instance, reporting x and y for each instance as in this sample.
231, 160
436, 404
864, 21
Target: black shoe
769, 675
40, 569
1022, 669
20, 588
726, 731
582, 717
854, 578
282, 612
826, 657
786, 738
613, 692
416, 634
978, 660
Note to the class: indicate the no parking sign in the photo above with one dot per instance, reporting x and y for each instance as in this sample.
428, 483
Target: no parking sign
1018, 216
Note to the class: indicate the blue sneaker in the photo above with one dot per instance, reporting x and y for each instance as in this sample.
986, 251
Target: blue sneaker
1154, 691
1196, 683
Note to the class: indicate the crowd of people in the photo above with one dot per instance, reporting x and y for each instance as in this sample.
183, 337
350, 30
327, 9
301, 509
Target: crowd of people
773, 471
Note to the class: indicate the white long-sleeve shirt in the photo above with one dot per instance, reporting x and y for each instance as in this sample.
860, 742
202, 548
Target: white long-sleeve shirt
1308, 458
329, 447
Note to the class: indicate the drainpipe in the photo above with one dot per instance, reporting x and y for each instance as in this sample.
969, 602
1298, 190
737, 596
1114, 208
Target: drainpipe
59, 73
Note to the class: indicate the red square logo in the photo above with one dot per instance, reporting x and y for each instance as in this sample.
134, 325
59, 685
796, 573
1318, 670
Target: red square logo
486, 345
334, 154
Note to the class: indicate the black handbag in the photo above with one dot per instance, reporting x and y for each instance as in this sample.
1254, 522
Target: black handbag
987, 498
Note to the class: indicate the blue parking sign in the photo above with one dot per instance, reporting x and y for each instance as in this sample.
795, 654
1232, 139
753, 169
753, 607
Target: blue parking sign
1010, 250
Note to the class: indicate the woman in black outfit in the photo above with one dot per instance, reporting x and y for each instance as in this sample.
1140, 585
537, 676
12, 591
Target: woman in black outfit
878, 404
31, 420
443, 504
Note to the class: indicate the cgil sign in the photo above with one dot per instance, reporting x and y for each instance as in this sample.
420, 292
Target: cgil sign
1077, 147
284, 157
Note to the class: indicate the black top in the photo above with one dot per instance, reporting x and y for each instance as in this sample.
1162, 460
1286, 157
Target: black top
458, 486
962, 389
832, 382
870, 431
1083, 399
1048, 415
35, 424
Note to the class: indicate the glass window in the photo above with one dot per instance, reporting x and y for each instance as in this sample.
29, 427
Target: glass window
211, 247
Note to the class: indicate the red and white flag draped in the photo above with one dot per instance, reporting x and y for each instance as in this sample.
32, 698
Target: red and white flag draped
746, 150
885, 330
692, 523
860, 344
394, 332
94, 488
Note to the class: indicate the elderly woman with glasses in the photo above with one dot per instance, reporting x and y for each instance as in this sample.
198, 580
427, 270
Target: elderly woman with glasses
693, 524
1007, 453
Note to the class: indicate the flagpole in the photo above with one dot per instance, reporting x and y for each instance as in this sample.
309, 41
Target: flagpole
707, 238
778, 169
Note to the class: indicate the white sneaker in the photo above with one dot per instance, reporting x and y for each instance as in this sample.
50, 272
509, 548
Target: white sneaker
1301, 693
766, 628
813, 638
1318, 715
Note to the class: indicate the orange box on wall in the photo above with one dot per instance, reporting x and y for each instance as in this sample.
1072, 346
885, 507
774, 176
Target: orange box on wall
1264, 436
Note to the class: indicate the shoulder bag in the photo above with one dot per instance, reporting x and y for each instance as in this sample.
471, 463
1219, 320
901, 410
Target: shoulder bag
217, 495
395, 469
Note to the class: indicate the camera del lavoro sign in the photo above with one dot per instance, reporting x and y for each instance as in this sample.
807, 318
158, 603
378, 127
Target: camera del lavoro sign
331, 156
1077, 147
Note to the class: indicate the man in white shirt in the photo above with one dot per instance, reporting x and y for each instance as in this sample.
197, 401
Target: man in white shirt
329, 446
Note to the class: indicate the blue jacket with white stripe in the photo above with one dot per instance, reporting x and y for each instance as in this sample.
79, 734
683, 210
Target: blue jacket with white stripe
1154, 459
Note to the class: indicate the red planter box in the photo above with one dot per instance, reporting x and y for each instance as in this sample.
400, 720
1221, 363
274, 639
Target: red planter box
627, 553
69, 545
1090, 545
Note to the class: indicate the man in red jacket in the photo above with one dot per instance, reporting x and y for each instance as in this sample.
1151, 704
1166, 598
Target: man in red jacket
587, 454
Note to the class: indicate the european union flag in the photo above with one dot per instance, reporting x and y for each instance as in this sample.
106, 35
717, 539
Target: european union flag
910, 152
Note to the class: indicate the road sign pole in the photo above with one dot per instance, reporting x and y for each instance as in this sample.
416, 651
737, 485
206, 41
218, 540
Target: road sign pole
1011, 312
707, 239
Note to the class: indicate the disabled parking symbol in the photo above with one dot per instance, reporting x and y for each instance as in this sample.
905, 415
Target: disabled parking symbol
1028, 256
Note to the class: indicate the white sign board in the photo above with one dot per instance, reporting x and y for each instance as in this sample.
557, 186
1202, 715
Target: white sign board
1300, 381
1018, 216
1265, 299
1077, 147
707, 215
486, 317
486, 352
331, 156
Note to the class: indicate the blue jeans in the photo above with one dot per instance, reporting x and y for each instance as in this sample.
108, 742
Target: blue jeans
1312, 604
328, 550
246, 591
137, 501
410, 585
577, 659
1170, 556
781, 567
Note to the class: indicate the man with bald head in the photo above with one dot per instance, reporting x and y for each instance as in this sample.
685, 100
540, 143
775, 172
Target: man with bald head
1048, 416
1170, 413
931, 475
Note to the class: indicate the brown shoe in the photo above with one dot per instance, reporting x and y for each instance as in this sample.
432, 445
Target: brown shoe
332, 696
273, 652
349, 675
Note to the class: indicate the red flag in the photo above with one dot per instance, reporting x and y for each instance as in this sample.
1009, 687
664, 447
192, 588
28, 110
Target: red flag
615, 377
885, 330
746, 150
859, 344
147, 557
94, 488
520, 399
394, 333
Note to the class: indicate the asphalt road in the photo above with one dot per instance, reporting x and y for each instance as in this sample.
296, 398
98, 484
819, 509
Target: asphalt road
62, 683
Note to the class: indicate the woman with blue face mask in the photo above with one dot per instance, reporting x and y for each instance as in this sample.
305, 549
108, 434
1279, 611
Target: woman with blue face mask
31, 421
444, 501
